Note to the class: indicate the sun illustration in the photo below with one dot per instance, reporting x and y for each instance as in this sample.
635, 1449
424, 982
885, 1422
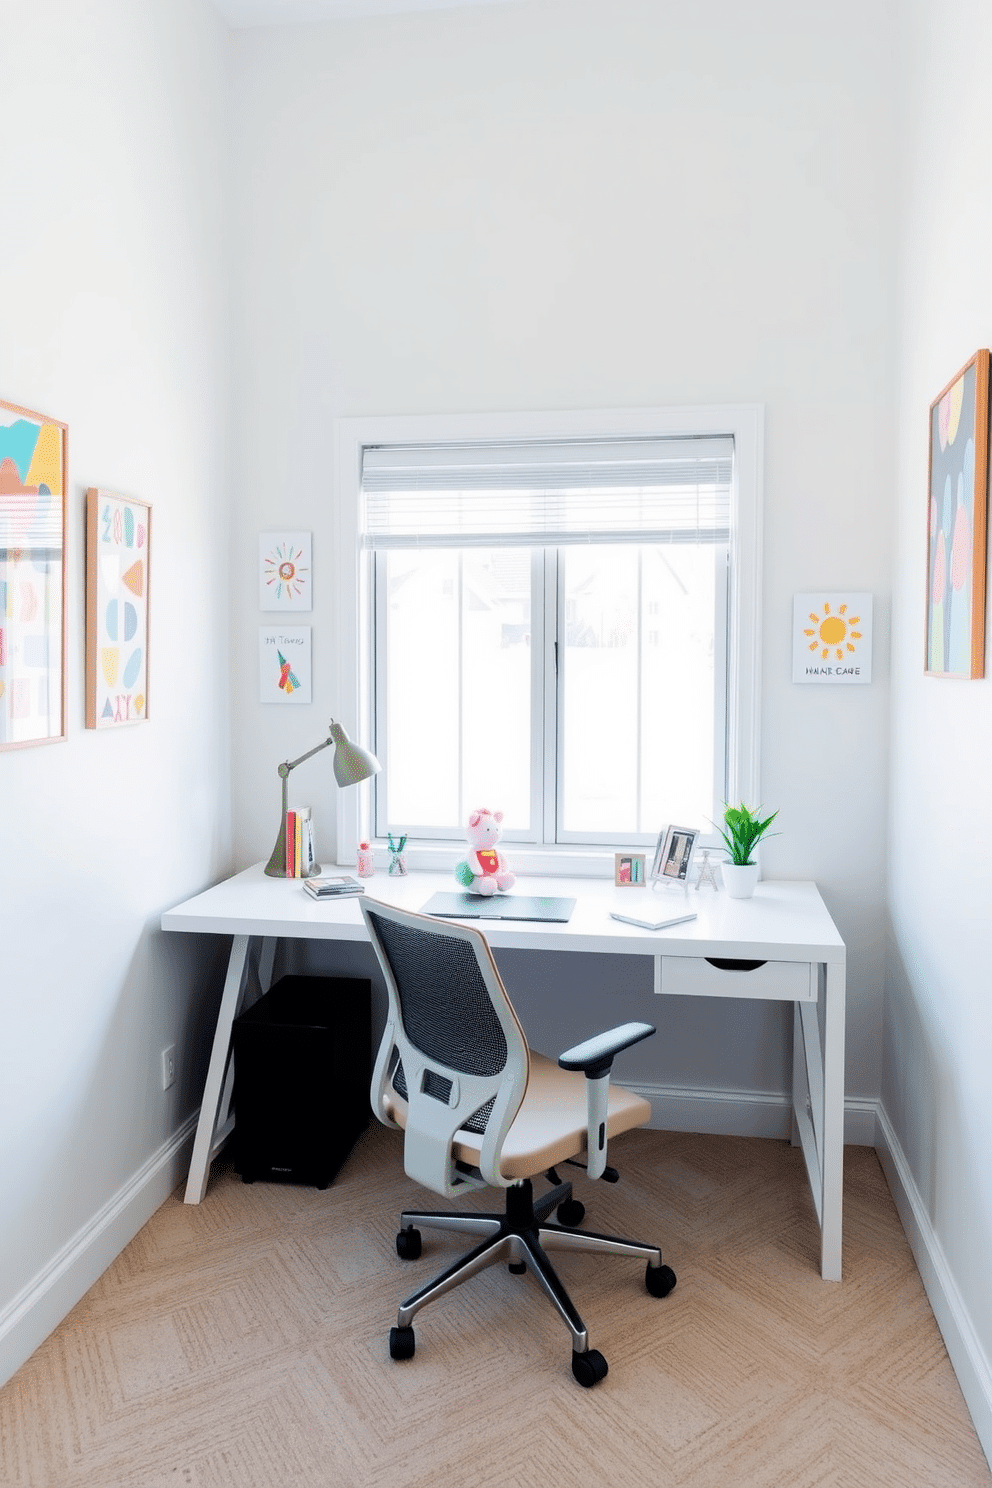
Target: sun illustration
834, 632
284, 572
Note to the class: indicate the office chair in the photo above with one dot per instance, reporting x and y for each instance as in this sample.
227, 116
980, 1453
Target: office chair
478, 1108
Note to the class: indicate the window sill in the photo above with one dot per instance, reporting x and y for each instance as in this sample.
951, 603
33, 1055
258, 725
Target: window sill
524, 860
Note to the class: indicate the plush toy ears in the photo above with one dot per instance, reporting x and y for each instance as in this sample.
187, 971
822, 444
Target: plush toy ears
497, 816
476, 817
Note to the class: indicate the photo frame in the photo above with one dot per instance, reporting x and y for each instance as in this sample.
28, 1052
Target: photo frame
628, 870
673, 854
118, 556
34, 478
956, 524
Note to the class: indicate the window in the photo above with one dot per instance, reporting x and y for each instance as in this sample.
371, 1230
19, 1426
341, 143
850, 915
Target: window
549, 622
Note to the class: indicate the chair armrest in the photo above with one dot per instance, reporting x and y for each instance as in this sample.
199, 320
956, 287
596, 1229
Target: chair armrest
595, 1055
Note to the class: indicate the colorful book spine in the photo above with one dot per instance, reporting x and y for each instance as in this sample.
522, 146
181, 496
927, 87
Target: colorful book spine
299, 842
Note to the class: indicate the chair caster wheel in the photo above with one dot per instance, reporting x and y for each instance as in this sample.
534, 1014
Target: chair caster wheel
659, 1280
518, 1268
589, 1368
401, 1343
571, 1213
408, 1245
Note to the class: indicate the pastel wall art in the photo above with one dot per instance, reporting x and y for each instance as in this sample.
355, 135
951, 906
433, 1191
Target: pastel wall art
285, 579
284, 664
118, 550
831, 638
956, 524
33, 480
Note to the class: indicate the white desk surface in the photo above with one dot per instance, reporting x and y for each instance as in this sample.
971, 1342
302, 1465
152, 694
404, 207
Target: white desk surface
784, 921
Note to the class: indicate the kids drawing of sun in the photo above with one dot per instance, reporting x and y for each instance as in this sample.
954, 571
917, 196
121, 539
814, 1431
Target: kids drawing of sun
285, 572
834, 632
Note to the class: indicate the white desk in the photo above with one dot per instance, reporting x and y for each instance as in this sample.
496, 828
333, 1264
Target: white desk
785, 926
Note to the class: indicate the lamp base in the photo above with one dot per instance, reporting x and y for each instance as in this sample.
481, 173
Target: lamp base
278, 870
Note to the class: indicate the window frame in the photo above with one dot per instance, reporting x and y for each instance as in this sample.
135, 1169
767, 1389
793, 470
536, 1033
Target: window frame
352, 662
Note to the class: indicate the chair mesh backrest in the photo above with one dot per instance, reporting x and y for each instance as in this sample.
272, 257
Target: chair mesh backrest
444, 1001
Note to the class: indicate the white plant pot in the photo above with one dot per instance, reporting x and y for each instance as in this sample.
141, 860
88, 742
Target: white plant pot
739, 879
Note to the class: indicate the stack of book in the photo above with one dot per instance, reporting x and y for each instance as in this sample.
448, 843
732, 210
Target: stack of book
299, 842
339, 886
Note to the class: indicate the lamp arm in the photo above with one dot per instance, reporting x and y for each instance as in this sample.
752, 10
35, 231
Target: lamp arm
284, 769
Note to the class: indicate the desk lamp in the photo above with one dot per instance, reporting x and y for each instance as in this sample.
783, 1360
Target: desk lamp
352, 763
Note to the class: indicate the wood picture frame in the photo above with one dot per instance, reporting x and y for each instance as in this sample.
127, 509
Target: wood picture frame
628, 870
118, 557
34, 479
957, 524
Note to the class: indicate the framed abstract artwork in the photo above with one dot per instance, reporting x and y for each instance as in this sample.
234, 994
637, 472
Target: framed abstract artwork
956, 524
118, 550
33, 481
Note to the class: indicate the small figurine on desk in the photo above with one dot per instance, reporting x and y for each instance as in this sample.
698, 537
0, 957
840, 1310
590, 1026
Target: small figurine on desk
366, 860
485, 870
397, 857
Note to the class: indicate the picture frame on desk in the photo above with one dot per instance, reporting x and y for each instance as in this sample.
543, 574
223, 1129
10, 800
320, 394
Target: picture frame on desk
673, 855
628, 870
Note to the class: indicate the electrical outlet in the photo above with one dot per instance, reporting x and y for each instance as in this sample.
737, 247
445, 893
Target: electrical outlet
168, 1066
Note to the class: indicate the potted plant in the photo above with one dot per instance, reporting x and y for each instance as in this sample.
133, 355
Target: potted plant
742, 831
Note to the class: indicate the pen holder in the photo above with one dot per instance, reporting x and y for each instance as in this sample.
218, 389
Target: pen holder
397, 857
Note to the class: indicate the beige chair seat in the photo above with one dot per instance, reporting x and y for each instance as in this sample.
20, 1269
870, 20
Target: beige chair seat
551, 1124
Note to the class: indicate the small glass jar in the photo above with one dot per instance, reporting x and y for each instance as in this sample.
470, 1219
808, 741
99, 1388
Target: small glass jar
366, 860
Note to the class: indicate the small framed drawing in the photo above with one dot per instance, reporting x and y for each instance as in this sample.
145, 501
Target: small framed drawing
34, 452
958, 492
284, 664
673, 854
285, 578
628, 870
118, 548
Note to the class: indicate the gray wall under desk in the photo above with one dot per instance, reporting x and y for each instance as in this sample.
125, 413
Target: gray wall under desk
731, 1056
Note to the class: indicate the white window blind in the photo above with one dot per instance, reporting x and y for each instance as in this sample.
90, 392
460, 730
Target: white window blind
545, 494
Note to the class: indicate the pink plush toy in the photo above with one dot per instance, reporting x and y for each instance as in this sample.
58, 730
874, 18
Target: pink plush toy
485, 871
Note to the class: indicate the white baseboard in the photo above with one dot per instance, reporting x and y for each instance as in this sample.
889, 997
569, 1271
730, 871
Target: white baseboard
39, 1308
968, 1358
742, 1113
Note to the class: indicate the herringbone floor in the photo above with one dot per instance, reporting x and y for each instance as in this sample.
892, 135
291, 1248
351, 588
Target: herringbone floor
242, 1344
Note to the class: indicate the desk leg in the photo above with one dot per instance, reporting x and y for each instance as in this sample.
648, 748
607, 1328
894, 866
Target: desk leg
834, 995
210, 1109
252, 989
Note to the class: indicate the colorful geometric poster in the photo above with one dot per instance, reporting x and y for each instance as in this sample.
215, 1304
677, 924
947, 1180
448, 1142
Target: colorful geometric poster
32, 576
831, 638
956, 522
118, 544
284, 571
284, 664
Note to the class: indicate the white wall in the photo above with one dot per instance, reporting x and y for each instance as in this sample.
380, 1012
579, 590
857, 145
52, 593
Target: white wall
113, 318
937, 1090
589, 204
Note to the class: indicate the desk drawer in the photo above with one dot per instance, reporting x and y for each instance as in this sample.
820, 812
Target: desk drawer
695, 976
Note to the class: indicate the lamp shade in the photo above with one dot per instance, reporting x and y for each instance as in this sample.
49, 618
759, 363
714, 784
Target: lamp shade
352, 763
